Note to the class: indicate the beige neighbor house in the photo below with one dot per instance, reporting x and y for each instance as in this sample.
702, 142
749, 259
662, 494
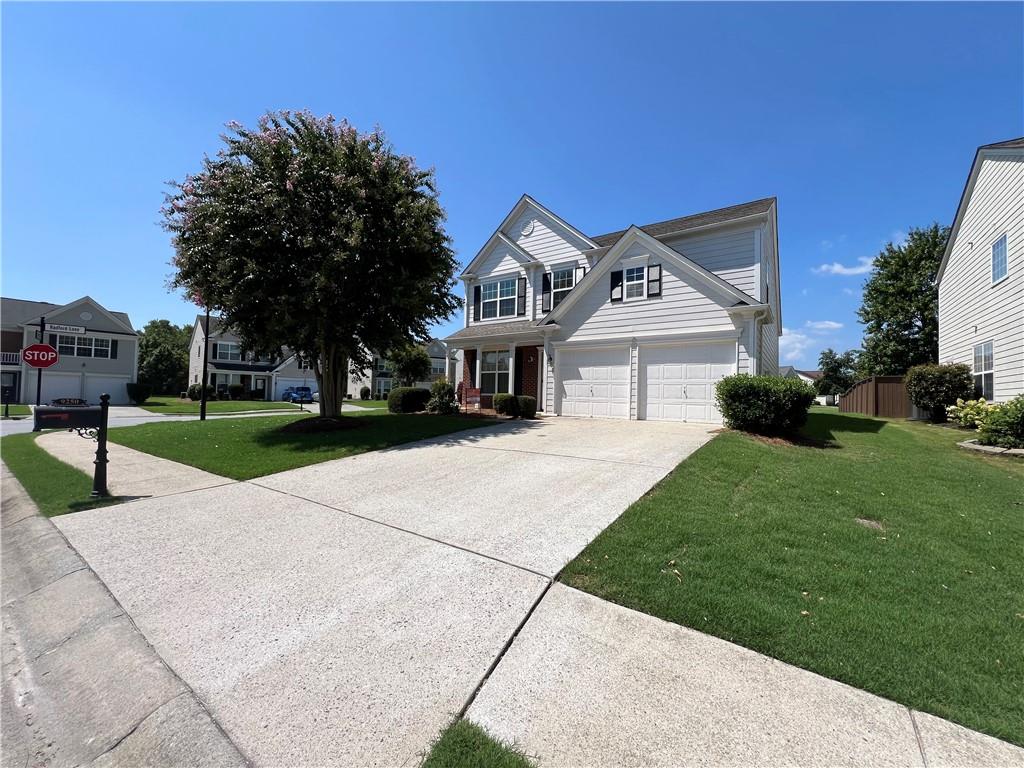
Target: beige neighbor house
981, 278
263, 378
98, 349
640, 323
380, 378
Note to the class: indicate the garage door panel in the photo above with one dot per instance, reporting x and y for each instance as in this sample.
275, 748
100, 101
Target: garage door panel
679, 381
595, 382
115, 386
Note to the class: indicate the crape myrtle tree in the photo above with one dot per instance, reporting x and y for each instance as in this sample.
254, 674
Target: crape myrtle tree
304, 233
410, 364
900, 304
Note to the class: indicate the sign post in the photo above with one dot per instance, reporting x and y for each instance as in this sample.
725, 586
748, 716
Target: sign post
39, 356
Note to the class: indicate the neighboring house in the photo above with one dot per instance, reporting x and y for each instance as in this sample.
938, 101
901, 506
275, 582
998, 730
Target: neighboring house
380, 378
981, 278
99, 350
635, 324
807, 377
263, 377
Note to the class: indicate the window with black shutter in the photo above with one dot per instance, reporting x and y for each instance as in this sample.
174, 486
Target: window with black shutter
545, 301
616, 285
476, 303
654, 280
521, 297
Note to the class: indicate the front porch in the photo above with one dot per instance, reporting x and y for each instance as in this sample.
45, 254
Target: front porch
513, 368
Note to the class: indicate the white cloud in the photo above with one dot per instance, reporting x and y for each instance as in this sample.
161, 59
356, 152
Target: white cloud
849, 291
898, 238
824, 325
793, 345
835, 268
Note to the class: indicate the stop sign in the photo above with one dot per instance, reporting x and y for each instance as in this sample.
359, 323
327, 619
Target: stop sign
39, 355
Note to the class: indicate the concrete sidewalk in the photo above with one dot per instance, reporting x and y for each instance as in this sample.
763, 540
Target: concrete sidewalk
80, 684
130, 473
590, 683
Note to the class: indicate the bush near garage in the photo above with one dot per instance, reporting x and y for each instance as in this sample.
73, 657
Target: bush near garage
1004, 425
766, 405
506, 405
139, 393
195, 392
364, 393
442, 398
408, 399
934, 387
527, 406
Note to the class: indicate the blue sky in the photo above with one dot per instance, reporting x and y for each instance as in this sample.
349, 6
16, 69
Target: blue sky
861, 118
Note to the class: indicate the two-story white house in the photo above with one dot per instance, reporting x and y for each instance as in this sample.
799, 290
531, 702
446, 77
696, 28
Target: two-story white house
981, 278
639, 323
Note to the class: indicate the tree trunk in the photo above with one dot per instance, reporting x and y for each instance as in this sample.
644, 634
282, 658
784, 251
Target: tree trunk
332, 372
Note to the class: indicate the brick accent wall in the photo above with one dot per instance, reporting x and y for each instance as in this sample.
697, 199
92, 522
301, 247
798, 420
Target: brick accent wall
468, 367
530, 371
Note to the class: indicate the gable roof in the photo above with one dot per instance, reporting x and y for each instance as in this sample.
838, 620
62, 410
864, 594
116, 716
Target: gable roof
517, 251
965, 196
694, 221
23, 311
634, 234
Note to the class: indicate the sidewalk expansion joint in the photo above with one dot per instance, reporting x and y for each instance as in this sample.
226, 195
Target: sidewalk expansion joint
917, 735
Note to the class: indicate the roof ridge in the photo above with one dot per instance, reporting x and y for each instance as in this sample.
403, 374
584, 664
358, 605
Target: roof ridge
762, 200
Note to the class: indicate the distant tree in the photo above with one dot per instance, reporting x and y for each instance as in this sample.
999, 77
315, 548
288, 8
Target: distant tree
900, 304
304, 233
838, 371
163, 356
409, 364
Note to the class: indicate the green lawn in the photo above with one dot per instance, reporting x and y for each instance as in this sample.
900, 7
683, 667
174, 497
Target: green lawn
176, 406
55, 487
16, 410
466, 745
254, 446
759, 543
368, 403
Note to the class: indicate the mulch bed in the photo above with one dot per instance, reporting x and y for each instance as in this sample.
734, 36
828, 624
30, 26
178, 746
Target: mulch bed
320, 424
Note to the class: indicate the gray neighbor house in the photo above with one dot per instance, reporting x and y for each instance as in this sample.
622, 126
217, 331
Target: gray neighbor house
98, 348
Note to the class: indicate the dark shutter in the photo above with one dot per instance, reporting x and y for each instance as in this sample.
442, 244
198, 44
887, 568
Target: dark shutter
654, 280
53, 340
521, 297
476, 303
616, 285
545, 300
580, 272
113, 349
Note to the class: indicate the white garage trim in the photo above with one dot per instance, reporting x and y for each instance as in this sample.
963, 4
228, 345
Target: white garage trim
593, 381
676, 381
118, 392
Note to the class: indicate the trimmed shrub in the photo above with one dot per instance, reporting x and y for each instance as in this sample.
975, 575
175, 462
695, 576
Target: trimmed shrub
195, 392
442, 398
527, 406
969, 413
1004, 425
139, 393
364, 393
408, 399
506, 404
934, 387
235, 391
767, 405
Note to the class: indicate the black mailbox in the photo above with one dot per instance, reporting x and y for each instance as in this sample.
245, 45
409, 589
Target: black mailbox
72, 417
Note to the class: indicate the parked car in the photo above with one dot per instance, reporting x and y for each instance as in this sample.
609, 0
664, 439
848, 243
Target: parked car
297, 395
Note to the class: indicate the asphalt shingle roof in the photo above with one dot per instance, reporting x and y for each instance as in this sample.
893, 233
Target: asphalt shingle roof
717, 216
20, 311
485, 330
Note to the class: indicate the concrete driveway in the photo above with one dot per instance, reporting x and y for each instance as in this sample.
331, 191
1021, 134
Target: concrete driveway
344, 613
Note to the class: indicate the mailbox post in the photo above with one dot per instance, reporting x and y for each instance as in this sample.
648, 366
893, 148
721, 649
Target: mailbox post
89, 422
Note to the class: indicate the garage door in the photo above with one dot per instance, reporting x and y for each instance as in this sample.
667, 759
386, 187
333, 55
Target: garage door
115, 386
283, 384
55, 385
594, 382
678, 382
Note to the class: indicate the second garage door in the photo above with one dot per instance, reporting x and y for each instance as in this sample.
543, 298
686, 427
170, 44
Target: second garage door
678, 382
595, 382
115, 386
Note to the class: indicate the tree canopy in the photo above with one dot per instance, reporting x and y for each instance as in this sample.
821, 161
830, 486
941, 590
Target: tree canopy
410, 364
304, 233
838, 371
163, 356
900, 304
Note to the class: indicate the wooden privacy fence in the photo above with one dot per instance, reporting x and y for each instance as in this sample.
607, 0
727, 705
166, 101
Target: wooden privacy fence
877, 396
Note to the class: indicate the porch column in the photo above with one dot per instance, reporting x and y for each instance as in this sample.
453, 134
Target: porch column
479, 358
512, 368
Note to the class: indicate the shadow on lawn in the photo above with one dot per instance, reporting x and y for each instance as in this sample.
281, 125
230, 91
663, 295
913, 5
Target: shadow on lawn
826, 429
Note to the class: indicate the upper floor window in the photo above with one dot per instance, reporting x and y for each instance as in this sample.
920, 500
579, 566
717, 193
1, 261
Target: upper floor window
83, 346
999, 259
634, 283
498, 299
437, 367
562, 281
226, 350
983, 367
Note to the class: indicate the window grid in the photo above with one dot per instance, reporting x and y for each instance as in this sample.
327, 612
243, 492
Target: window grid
999, 259
562, 281
498, 299
494, 372
984, 365
634, 282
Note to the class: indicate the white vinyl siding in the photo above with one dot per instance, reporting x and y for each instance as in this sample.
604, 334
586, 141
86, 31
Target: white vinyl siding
729, 253
973, 310
999, 259
551, 244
